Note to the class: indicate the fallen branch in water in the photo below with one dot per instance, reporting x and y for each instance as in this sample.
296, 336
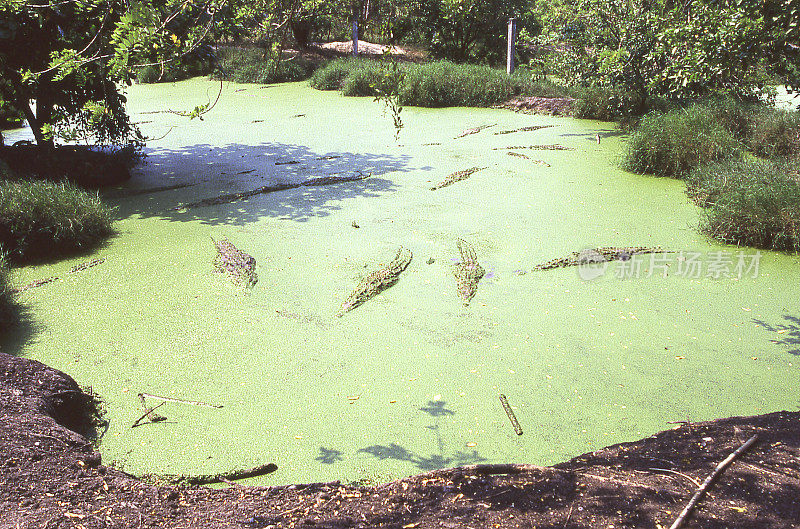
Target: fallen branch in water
180, 401
710, 480
511, 416
206, 479
233, 197
149, 414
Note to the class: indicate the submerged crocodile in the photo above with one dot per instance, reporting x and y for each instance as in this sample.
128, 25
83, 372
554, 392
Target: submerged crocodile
240, 266
474, 130
552, 147
456, 177
468, 272
599, 255
377, 281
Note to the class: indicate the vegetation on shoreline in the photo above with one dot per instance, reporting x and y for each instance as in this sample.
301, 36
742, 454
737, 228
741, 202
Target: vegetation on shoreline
42, 219
256, 65
435, 84
749, 202
739, 161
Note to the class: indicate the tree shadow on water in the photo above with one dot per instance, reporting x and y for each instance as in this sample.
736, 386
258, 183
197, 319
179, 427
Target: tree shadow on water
788, 333
18, 329
423, 462
436, 409
171, 178
329, 456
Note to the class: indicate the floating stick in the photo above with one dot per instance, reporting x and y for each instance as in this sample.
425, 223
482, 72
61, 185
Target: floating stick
149, 414
510, 413
181, 401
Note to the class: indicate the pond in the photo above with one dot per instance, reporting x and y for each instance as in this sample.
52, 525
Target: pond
409, 381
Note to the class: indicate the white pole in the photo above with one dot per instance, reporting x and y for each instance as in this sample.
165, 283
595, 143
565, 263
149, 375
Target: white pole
355, 36
512, 30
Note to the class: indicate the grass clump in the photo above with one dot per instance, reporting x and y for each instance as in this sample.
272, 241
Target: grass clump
254, 65
333, 75
42, 219
171, 72
751, 202
446, 84
673, 143
434, 84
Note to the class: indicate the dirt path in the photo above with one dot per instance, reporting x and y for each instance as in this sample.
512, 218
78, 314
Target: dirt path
53, 478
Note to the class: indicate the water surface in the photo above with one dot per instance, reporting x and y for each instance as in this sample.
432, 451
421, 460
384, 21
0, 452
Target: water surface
409, 381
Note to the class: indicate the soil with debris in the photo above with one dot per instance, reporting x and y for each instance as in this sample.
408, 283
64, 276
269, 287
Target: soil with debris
53, 478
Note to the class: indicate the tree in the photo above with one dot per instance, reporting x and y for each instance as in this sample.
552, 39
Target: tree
469, 30
678, 49
71, 56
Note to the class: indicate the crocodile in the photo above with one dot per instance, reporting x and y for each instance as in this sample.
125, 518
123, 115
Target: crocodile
240, 266
474, 130
599, 255
377, 281
456, 177
468, 272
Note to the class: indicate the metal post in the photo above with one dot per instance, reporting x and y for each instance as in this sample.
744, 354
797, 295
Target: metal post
355, 36
512, 33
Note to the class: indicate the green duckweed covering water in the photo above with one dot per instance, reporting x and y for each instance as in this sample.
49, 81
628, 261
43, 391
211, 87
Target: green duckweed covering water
409, 381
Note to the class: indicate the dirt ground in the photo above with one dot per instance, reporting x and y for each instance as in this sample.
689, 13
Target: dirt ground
53, 477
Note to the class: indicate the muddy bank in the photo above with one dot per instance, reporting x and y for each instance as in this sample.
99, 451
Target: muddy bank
53, 477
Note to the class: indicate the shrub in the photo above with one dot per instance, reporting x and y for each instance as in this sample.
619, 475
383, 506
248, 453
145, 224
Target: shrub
750, 202
444, 84
775, 132
41, 219
673, 143
254, 65
174, 71
363, 78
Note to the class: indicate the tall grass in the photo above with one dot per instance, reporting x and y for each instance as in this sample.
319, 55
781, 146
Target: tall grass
42, 219
254, 65
675, 142
752, 202
435, 84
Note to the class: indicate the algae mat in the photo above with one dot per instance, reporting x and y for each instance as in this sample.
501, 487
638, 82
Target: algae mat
410, 380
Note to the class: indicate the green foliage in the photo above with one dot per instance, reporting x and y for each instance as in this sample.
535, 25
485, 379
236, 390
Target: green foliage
41, 219
254, 65
775, 133
433, 84
445, 84
673, 143
333, 75
673, 50
751, 202
388, 89
468, 30
10, 117
173, 71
